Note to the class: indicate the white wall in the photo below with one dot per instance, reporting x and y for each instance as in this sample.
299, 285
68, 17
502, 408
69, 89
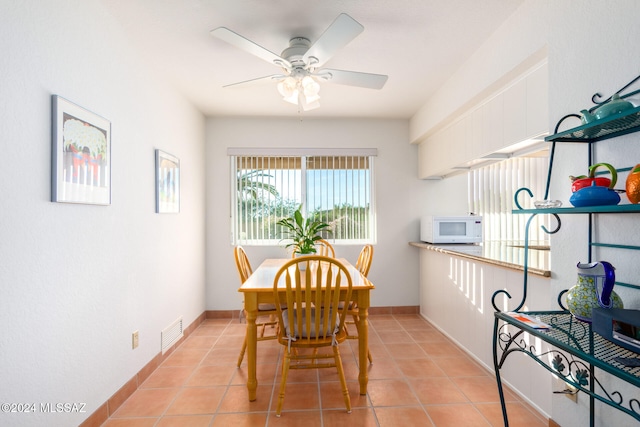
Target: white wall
452, 284
395, 264
590, 46
77, 280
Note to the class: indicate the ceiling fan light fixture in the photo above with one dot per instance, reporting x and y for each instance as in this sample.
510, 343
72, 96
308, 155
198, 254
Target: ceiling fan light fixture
288, 87
307, 106
311, 98
310, 86
293, 99
302, 92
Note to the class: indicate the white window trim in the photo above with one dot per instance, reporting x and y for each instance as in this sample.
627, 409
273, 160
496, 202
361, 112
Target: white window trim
232, 152
330, 152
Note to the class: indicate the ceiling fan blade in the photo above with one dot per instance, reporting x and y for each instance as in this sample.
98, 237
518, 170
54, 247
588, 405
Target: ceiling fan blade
340, 33
247, 45
352, 78
259, 80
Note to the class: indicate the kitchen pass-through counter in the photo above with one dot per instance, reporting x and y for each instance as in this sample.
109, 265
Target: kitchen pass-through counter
457, 284
505, 254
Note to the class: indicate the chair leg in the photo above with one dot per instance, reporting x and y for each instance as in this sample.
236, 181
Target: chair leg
283, 383
343, 381
242, 351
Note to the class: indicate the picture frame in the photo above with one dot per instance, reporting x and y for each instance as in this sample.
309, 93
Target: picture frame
81, 154
167, 183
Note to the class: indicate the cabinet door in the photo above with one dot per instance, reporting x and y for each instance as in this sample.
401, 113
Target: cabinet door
492, 126
515, 113
429, 152
538, 102
423, 160
455, 145
476, 148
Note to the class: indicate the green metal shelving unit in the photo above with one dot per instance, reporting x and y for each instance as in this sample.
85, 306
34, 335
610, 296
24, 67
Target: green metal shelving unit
612, 126
577, 349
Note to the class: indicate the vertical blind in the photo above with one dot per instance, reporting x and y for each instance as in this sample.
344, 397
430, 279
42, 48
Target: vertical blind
335, 189
491, 192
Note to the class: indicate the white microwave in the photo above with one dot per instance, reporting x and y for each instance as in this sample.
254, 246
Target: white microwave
451, 229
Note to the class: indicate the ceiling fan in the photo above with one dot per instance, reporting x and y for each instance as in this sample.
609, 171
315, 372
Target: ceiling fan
301, 62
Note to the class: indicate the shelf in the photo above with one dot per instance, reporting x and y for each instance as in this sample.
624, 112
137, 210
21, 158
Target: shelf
574, 336
611, 245
582, 210
575, 351
609, 127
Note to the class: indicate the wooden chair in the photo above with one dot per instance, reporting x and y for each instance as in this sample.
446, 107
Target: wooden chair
316, 298
323, 248
244, 270
363, 264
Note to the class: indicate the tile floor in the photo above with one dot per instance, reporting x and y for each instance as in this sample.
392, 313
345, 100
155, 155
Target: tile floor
418, 378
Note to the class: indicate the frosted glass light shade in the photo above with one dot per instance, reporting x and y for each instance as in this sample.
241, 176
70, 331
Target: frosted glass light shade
302, 92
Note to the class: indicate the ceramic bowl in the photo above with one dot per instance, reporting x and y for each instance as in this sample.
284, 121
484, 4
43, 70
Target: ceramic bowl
594, 196
587, 182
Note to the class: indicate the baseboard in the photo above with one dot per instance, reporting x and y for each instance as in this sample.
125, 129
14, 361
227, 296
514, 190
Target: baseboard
412, 309
221, 314
107, 409
404, 309
100, 415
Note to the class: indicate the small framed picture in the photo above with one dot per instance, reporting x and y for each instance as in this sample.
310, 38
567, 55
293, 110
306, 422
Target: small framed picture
167, 183
81, 155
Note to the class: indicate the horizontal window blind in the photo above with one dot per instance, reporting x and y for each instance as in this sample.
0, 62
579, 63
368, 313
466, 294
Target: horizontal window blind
337, 189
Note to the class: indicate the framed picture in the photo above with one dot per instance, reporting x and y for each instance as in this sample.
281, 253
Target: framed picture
81, 155
167, 183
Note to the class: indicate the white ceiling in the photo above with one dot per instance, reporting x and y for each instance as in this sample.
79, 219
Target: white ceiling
417, 43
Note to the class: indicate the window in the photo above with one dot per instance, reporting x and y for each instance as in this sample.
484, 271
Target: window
334, 185
491, 191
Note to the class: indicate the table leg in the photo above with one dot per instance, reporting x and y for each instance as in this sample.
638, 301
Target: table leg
363, 341
252, 341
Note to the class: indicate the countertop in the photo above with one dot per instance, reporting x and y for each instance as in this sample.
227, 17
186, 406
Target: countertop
504, 254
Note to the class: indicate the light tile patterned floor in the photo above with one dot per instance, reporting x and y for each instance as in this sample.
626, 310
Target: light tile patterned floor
418, 378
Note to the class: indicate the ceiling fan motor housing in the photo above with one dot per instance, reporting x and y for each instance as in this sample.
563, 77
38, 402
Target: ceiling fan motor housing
298, 46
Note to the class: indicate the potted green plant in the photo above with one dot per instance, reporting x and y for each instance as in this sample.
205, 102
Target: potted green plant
303, 233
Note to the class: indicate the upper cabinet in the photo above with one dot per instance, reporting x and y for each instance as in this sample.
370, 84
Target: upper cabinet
506, 123
515, 112
538, 102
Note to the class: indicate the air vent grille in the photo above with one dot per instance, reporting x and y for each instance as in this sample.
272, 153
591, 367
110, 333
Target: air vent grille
171, 334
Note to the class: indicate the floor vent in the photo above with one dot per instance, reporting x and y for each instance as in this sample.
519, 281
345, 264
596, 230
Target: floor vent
171, 334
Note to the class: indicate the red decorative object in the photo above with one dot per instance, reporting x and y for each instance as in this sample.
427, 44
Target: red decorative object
587, 182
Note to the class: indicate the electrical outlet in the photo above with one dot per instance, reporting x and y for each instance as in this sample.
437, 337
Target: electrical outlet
134, 340
571, 393
567, 389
